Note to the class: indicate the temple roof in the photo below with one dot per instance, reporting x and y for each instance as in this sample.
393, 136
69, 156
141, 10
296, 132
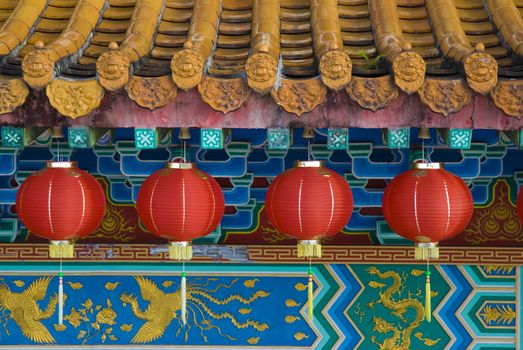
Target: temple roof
445, 51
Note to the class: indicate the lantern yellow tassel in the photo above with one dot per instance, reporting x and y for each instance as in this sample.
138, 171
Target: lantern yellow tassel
61, 249
180, 251
60, 299
428, 307
309, 249
183, 292
310, 301
425, 251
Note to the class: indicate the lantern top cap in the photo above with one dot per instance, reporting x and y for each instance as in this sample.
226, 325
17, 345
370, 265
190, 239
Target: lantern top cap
428, 166
64, 165
310, 164
177, 165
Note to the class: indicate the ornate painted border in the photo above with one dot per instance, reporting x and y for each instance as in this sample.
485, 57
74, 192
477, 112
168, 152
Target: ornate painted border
267, 254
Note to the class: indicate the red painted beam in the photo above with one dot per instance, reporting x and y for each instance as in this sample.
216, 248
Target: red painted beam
188, 110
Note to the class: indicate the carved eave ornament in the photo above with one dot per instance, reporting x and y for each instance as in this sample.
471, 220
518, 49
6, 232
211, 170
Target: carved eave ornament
481, 70
187, 67
445, 96
409, 70
261, 70
372, 93
38, 66
75, 98
13, 93
508, 96
224, 95
113, 68
151, 93
336, 69
299, 96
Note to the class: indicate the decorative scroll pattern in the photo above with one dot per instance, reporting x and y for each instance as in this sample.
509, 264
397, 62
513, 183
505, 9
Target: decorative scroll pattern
13, 93
151, 93
224, 95
74, 98
286, 254
445, 96
301, 96
508, 96
372, 93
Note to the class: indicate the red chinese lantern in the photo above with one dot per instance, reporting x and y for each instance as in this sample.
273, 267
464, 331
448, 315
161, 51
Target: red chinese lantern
61, 203
427, 204
180, 203
309, 202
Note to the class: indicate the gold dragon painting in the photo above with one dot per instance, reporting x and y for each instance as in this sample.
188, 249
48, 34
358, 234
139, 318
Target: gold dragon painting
390, 296
163, 308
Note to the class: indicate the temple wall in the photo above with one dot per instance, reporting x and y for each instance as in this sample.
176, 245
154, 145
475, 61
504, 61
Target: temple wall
235, 306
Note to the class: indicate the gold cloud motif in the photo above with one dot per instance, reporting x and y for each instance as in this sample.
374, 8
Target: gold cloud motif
291, 303
126, 327
300, 287
19, 283
167, 284
111, 286
59, 327
253, 340
300, 336
291, 319
250, 283
75, 285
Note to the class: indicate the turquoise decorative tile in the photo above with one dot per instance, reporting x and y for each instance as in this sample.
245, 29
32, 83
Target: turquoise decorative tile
211, 138
460, 138
78, 137
521, 139
338, 139
278, 139
12, 137
398, 137
145, 138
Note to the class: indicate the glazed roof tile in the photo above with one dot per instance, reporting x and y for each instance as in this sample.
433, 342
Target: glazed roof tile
419, 45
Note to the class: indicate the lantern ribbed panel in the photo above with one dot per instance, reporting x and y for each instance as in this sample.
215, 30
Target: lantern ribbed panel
61, 203
180, 204
309, 203
427, 205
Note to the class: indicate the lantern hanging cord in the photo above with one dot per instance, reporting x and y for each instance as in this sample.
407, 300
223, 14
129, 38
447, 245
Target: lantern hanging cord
183, 295
423, 150
310, 293
58, 152
60, 294
184, 154
428, 294
309, 149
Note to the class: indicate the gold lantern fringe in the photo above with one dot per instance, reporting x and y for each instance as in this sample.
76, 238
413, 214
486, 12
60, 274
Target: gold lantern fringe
180, 251
309, 249
426, 251
61, 249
